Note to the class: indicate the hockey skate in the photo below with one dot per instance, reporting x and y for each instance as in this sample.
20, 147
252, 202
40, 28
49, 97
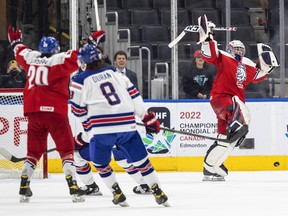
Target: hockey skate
119, 197
142, 189
75, 192
25, 191
91, 190
160, 196
208, 176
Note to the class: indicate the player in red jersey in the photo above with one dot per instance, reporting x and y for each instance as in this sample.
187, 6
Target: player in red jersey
46, 96
234, 73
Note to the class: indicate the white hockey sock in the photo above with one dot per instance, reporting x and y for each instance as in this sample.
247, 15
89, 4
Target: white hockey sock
132, 171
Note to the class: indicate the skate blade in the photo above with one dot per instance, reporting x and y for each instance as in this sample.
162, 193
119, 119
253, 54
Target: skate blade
76, 198
123, 204
146, 193
215, 179
24, 199
166, 204
95, 194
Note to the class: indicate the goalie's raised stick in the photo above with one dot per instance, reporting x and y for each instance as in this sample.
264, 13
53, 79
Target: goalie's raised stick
98, 26
195, 28
237, 135
15, 159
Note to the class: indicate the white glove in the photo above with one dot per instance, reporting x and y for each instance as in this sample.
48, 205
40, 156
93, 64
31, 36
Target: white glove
267, 61
205, 29
261, 47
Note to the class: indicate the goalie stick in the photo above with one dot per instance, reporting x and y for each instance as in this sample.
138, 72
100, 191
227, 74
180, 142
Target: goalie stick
195, 28
98, 26
237, 135
14, 159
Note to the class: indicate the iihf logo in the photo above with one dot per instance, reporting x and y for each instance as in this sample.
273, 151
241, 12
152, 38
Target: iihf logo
160, 143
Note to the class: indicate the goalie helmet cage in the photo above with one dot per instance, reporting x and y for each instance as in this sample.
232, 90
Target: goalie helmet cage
13, 136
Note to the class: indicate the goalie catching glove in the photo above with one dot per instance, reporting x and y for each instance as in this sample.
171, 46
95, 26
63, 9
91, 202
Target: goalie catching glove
14, 37
151, 123
79, 142
267, 60
205, 32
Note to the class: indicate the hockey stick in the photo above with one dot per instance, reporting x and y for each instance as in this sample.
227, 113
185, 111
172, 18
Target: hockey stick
14, 159
98, 26
195, 28
238, 134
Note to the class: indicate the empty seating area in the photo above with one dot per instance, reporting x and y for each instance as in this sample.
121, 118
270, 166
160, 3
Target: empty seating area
149, 22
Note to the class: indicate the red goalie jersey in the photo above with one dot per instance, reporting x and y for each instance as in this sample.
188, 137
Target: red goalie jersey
47, 86
232, 76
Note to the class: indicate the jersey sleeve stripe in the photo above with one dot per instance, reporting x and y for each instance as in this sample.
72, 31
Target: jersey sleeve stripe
108, 120
78, 110
133, 92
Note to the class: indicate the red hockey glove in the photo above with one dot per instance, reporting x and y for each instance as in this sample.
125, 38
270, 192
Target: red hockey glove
79, 142
151, 123
96, 37
14, 37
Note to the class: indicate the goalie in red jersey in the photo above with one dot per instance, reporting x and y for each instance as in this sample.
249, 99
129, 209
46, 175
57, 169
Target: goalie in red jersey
46, 96
234, 73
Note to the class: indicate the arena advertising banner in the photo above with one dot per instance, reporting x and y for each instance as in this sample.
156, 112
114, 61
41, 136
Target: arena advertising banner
268, 133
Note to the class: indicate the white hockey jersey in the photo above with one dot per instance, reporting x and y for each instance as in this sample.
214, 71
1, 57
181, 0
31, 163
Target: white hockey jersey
105, 101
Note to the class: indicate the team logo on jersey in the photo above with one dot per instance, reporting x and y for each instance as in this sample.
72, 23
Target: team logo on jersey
160, 143
241, 75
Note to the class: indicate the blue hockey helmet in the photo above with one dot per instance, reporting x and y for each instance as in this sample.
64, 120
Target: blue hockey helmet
49, 45
89, 53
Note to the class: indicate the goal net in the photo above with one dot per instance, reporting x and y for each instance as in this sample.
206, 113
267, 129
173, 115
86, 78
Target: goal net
13, 136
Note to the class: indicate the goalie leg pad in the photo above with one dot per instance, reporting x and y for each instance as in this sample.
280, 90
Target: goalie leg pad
216, 155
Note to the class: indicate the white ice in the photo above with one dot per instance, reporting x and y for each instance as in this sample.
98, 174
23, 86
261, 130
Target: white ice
242, 194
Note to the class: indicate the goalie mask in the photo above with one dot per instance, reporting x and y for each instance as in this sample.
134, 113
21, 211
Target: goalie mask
237, 49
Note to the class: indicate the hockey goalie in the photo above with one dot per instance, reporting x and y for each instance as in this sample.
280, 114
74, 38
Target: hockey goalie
234, 73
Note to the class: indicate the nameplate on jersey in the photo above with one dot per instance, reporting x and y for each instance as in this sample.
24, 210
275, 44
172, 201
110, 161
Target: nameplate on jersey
47, 109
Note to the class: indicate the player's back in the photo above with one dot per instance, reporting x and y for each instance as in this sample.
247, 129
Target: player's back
107, 96
47, 87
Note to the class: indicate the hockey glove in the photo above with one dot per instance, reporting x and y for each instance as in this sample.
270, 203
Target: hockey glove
79, 142
205, 32
14, 37
151, 123
96, 37
267, 62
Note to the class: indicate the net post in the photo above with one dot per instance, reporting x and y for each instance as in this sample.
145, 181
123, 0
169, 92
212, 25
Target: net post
45, 166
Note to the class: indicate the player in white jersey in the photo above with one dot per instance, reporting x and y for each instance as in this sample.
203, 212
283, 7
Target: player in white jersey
106, 103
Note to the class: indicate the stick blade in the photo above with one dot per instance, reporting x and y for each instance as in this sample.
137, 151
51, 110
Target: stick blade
5, 153
9, 156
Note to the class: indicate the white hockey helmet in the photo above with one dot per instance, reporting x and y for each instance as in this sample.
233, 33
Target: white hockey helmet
236, 47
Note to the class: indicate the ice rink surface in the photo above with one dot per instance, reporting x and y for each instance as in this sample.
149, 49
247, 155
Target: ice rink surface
242, 194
